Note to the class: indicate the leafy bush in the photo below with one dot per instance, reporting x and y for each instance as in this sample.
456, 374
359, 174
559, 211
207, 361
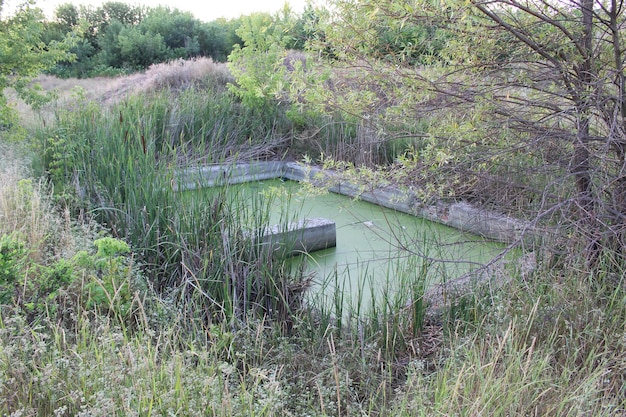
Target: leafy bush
257, 66
12, 258
27, 284
99, 281
107, 275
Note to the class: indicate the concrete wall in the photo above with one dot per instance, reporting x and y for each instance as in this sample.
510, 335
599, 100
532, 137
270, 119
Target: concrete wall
462, 216
304, 236
215, 175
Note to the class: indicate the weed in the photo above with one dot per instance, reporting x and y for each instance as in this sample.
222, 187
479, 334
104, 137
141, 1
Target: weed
12, 256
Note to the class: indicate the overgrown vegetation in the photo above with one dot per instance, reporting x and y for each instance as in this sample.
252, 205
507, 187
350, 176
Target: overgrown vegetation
497, 116
121, 295
23, 55
119, 165
546, 344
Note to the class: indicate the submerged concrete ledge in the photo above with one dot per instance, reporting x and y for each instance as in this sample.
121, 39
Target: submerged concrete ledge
462, 216
304, 236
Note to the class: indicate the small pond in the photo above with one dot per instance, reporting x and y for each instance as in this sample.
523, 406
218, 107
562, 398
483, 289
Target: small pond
376, 247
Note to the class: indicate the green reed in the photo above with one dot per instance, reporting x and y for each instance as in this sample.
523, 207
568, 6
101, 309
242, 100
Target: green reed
124, 161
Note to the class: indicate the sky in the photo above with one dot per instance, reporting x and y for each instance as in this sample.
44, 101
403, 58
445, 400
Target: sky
204, 10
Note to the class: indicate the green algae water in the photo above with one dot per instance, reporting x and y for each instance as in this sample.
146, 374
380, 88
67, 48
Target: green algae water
378, 249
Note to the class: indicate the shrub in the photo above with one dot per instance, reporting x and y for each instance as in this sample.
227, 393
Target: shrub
107, 286
12, 256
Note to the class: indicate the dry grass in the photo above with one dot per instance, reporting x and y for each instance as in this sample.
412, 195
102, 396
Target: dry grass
184, 73
27, 210
24, 212
174, 75
67, 92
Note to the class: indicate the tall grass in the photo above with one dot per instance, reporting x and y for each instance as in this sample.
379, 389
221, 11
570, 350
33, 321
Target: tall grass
26, 209
100, 370
123, 161
549, 346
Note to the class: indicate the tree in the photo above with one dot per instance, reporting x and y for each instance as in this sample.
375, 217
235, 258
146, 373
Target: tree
140, 50
110, 50
303, 28
178, 29
149, 35
577, 71
525, 103
97, 20
69, 21
217, 38
116, 11
23, 55
258, 66
67, 17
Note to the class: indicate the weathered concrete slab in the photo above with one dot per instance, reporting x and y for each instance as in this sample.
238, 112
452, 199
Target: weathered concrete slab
295, 172
215, 175
466, 217
304, 236
462, 216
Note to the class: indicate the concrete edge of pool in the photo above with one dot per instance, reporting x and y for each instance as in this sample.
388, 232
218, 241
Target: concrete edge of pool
303, 236
462, 216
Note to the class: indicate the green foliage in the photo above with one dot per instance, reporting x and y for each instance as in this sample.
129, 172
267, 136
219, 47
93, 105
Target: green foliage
178, 29
161, 35
125, 13
140, 50
99, 19
117, 37
109, 49
304, 28
42, 292
95, 30
259, 65
544, 346
67, 17
55, 157
121, 162
23, 55
100, 281
40, 280
217, 38
12, 258
389, 72
29, 284
82, 66
548, 343
108, 278
109, 247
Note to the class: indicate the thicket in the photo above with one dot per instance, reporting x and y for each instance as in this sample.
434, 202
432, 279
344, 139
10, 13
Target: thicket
119, 166
117, 37
514, 106
199, 275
